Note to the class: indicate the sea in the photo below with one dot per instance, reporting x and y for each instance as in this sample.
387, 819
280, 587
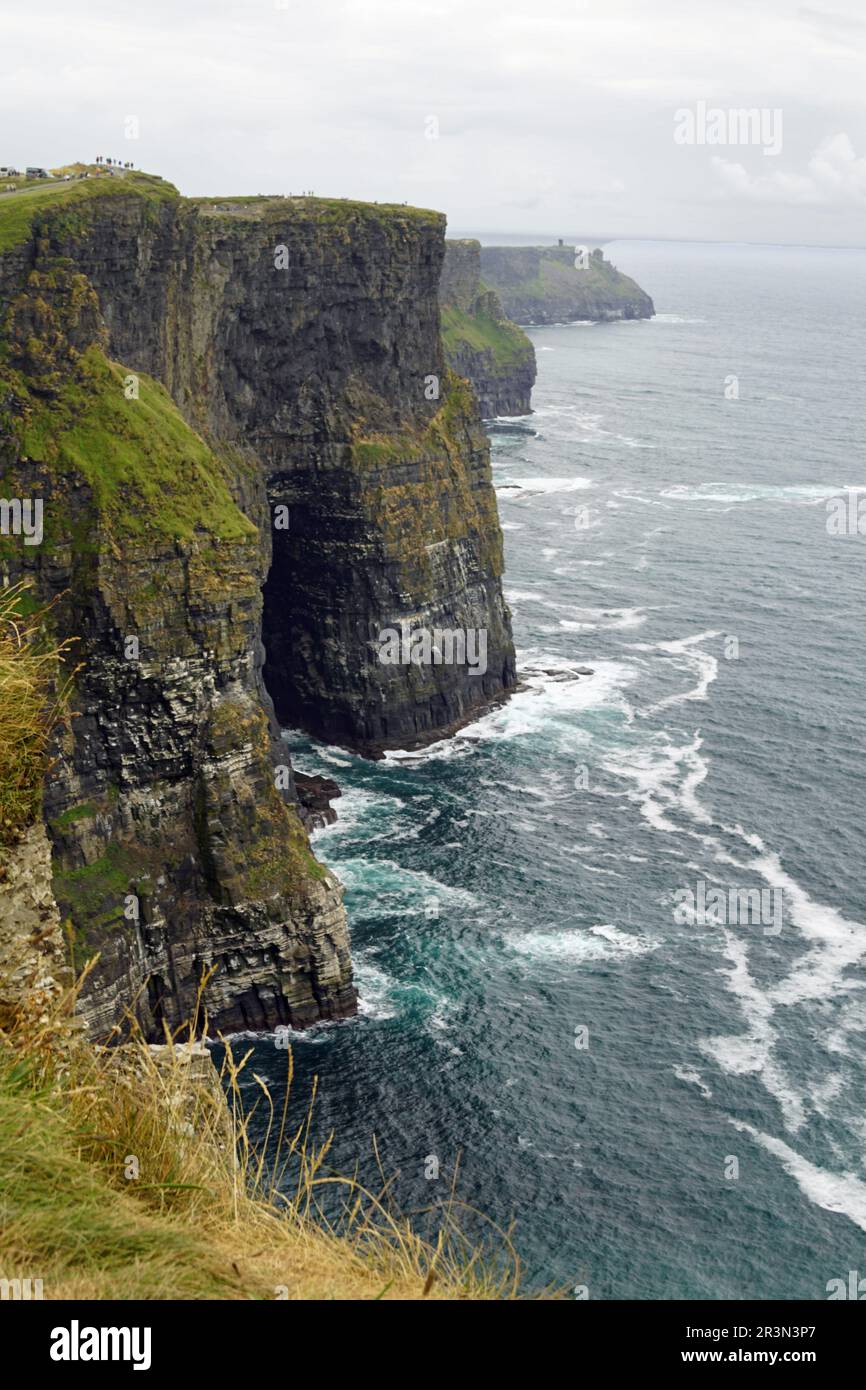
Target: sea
610, 939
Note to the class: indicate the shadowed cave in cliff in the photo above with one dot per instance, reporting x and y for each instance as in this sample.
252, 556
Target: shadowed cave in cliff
326, 599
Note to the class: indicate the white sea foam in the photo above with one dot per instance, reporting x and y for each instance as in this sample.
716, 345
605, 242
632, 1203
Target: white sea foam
645, 501
375, 990
693, 1077
593, 619
553, 694
359, 809
602, 942
691, 656
523, 596
659, 771
835, 942
541, 485
666, 777
336, 756
798, 494
843, 1193
384, 880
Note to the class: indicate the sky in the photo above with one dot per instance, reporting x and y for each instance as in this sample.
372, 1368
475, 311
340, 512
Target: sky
553, 117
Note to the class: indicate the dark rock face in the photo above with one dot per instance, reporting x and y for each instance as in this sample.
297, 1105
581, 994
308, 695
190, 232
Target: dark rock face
481, 343
174, 854
541, 284
358, 498
327, 370
315, 795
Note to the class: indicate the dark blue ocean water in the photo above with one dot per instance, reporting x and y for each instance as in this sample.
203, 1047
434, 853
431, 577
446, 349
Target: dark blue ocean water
516, 884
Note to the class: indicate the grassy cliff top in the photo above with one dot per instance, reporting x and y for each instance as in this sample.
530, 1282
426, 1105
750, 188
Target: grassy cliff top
539, 272
31, 197
277, 206
557, 271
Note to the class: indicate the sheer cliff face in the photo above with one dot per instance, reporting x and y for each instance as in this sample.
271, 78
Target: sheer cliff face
175, 856
542, 284
481, 343
373, 454
324, 478
309, 332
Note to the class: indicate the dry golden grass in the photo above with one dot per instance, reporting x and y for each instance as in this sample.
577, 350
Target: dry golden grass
129, 1172
124, 1175
29, 706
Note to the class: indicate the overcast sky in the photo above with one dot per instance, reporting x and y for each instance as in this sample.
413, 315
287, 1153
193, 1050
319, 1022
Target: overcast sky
549, 116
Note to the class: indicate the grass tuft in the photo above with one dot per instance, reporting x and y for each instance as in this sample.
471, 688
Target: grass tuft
30, 705
125, 1175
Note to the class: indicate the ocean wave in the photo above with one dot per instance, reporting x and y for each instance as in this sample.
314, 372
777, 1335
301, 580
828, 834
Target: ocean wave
391, 887
693, 1078
843, 1193
702, 664
375, 990
665, 775
360, 812
541, 486
797, 493
591, 619
602, 942
553, 692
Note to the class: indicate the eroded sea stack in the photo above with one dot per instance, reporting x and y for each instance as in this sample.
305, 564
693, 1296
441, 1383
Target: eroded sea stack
251, 458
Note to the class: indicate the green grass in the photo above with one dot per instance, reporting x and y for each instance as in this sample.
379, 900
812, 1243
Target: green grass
150, 473
19, 209
481, 333
558, 277
29, 707
85, 810
64, 1223
91, 898
279, 207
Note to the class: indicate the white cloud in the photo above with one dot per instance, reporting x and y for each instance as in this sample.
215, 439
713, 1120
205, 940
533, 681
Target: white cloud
555, 117
835, 175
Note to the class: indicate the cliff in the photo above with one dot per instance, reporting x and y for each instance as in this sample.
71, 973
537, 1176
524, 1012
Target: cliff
480, 341
223, 409
541, 284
